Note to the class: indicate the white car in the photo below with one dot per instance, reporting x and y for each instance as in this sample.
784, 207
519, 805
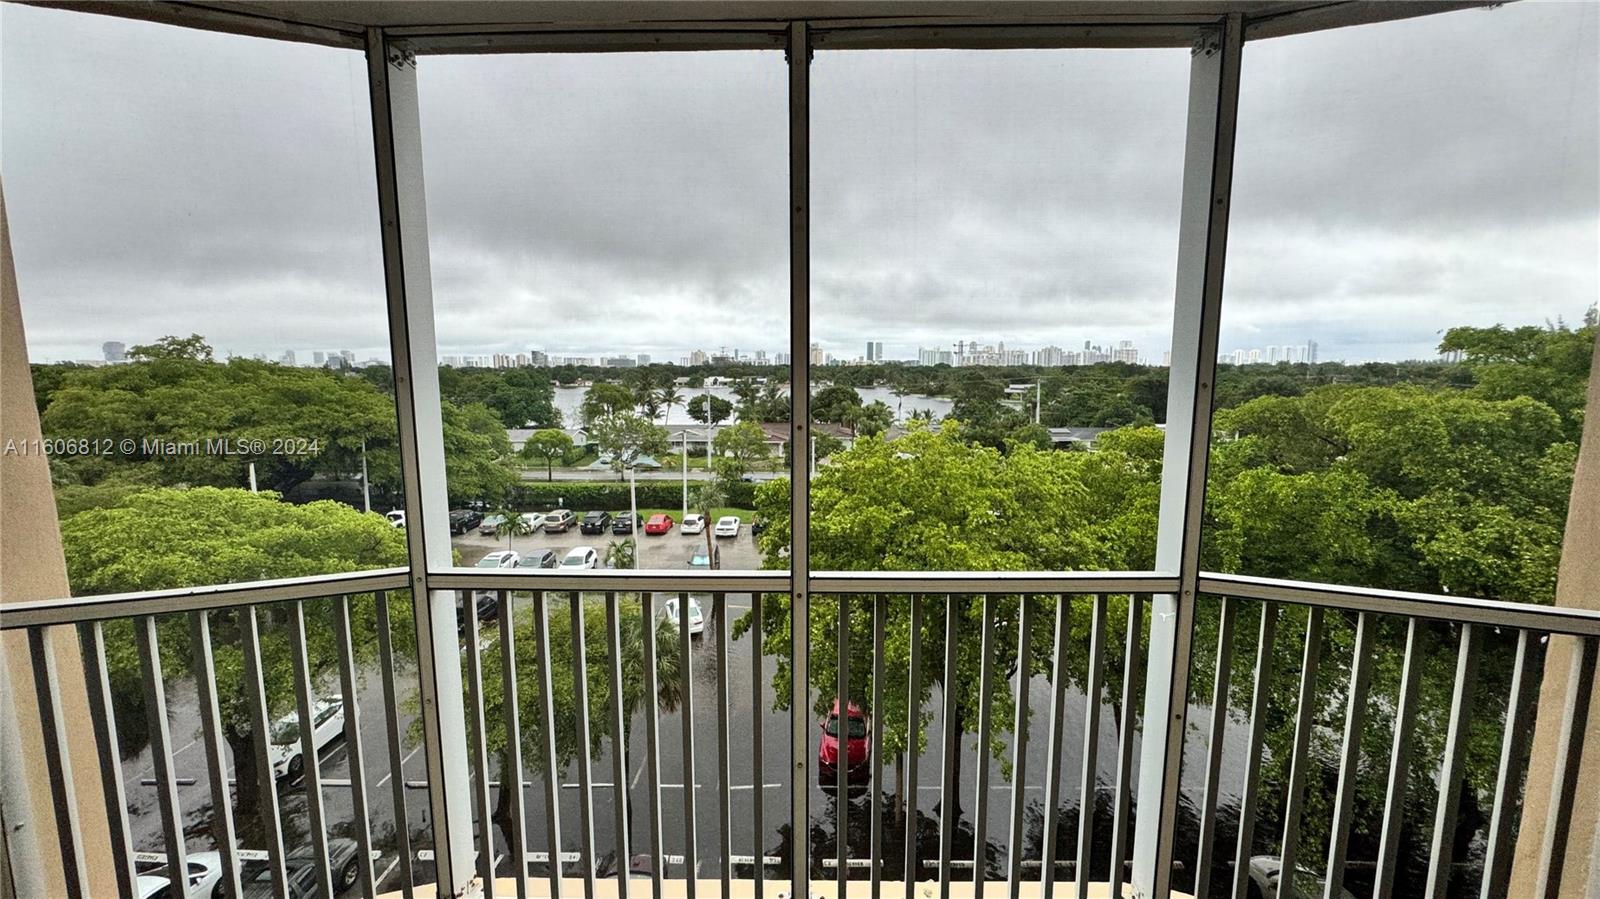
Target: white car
697, 618
693, 524
1266, 870
396, 517
205, 873
581, 557
727, 526
500, 558
327, 722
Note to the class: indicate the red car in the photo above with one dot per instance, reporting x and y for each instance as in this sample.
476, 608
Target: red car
658, 524
856, 748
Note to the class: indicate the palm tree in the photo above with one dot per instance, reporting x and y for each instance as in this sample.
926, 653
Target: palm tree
619, 554
709, 495
512, 524
668, 396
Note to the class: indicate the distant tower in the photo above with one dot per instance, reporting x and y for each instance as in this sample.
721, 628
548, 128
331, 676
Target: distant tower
115, 351
1311, 352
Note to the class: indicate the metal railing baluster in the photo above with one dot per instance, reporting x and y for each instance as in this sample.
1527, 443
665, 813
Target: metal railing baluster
1249, 792
619, 744
205, 684
580, 702
719, 614
913, 738
155, 707
305, 704
353, 747
1058, 715
1350, 754
1019, 746
980, 805
1520, 708
841, 771
261, 724
951, 701
652, 740
391, 724
1452, 769
101, 705
478, 743
686, 720
1091, 744
1221, 675
1394, 804
547, 739
53, 727
880, 614
1299, 753
1132, 673
511, 777
757, 772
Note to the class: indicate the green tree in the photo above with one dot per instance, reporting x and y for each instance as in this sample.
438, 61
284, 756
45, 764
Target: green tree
835, 403
739, 449
718, 413
625, 436
602, 400
478, 461
548, 446
869, 420
166, 538
523, 399
188, 349
668, 396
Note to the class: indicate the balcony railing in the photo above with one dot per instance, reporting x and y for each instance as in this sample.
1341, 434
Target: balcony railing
1087, 619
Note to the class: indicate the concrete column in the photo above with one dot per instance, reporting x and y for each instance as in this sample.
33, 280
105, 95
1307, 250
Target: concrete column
1577, 586
32, 567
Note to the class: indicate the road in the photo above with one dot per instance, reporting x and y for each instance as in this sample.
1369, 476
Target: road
606, 474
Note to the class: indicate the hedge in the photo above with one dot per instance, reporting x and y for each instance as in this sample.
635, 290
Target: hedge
613, 495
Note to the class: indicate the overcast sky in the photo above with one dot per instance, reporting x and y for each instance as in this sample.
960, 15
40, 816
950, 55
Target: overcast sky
1391, 181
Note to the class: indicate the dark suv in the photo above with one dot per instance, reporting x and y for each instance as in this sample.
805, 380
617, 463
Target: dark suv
301, 868
464, 520
624, 525
595, 522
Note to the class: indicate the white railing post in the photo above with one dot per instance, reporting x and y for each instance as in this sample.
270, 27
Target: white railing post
397, 143
1202, 247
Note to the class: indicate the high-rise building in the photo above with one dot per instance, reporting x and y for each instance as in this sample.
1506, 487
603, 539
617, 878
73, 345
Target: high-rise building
817, 356
318, 358
643, 358
287, 358
538, 357
1311, 352
781, 359
699, 357
114, 351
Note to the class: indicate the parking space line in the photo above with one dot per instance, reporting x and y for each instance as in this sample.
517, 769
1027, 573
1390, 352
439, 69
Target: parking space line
403, 761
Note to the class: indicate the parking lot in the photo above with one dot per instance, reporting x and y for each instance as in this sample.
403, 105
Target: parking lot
671, 550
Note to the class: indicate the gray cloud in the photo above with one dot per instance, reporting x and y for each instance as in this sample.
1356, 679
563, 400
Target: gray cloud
1391, 180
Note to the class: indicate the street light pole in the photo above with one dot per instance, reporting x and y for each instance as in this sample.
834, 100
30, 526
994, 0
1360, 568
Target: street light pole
1038, 393
633, 510
683, 446
366, 488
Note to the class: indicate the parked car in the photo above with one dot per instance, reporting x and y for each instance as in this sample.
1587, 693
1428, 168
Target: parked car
700, 561
727, 526
486, 603
659, 523
581, 557
1264, 873
327, 723
693, 524
205, 876
624, 525
595, 523
538, 558
464, 520
697, 618
857, 734
757, 525
500, 558
396, 517
560, 521
300, 868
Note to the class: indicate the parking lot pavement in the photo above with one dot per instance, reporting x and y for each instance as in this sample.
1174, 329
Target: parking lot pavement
666, 551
